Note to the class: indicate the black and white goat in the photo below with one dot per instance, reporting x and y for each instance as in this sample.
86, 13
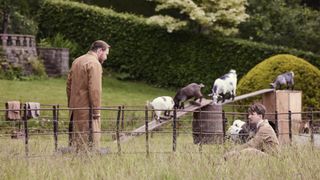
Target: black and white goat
224, 87
284, 79
187, 92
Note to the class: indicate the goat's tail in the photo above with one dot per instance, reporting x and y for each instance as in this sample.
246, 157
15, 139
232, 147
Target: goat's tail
273, 85
148, 104
292, 73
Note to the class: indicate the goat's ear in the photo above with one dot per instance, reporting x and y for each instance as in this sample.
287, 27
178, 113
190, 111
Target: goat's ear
210, 94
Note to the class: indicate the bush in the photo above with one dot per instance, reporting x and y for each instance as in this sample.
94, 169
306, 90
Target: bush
38, 68
10, 72
148, 52
307, 77
60, 41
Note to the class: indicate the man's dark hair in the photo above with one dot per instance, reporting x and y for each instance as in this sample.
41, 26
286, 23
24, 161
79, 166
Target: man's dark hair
99, 44
257, 108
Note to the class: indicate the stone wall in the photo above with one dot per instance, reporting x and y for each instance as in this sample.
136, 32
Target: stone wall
56, 60
19, 50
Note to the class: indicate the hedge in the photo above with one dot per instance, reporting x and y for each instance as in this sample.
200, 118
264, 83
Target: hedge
149, 53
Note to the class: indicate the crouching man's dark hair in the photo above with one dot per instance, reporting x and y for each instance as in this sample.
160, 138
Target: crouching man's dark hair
257, 108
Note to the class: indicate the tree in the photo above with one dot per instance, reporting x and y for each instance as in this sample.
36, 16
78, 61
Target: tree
17, 15
209, 16
280, 23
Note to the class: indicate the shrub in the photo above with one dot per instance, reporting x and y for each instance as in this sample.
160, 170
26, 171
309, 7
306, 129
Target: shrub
10, 72
38, 68
307, 77
60, 41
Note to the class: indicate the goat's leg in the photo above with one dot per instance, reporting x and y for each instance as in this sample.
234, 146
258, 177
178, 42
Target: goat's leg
232, 95
182, 105
223, 98
159, 119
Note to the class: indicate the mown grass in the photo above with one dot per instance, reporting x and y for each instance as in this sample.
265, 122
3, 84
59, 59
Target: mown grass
53, 91
293, 162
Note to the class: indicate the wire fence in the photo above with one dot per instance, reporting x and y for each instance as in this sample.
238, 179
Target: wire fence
126, 128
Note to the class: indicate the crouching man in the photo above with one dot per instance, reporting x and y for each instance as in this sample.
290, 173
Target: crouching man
264, 141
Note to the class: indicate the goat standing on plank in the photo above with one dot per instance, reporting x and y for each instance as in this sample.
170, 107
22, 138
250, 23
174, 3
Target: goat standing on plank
224, 86
284, 79
160, 104
188, 92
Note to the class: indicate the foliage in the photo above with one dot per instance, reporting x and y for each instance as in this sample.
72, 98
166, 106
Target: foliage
307, 77
220, 16
168, 22
281, 23
10, 72
21, 25
38, 68
149, 53
17, 16
60, 41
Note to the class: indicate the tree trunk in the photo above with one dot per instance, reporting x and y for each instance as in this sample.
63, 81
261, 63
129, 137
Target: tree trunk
5, 20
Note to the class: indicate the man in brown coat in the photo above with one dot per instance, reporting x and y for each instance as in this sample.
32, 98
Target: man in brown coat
264, 141
84, 88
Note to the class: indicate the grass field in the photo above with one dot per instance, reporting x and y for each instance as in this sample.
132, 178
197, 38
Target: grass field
53, 91
293, 162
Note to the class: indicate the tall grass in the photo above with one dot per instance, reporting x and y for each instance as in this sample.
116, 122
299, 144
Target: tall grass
294, 162
190, 161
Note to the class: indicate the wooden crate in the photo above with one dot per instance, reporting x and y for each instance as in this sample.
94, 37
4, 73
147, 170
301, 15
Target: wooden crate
284, 101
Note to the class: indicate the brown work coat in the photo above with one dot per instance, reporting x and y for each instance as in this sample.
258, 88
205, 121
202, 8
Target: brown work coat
264, 140
84, 88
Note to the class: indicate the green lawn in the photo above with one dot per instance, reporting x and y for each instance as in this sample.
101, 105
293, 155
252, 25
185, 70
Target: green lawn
53, 91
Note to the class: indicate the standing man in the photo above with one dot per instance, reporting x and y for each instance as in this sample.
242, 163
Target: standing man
84, 88
264, 141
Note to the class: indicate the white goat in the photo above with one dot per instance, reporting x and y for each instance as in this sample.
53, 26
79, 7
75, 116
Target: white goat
233, 132
238, 131
224, 87
284, 79
160, 104
238, 123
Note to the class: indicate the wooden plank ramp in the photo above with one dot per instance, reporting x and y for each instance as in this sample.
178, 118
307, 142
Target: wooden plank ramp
252, 94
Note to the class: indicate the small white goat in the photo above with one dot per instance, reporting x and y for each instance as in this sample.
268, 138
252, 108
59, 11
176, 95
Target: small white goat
224, 87
238, 123
284, 79
160, 104
238, 131
233, 132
